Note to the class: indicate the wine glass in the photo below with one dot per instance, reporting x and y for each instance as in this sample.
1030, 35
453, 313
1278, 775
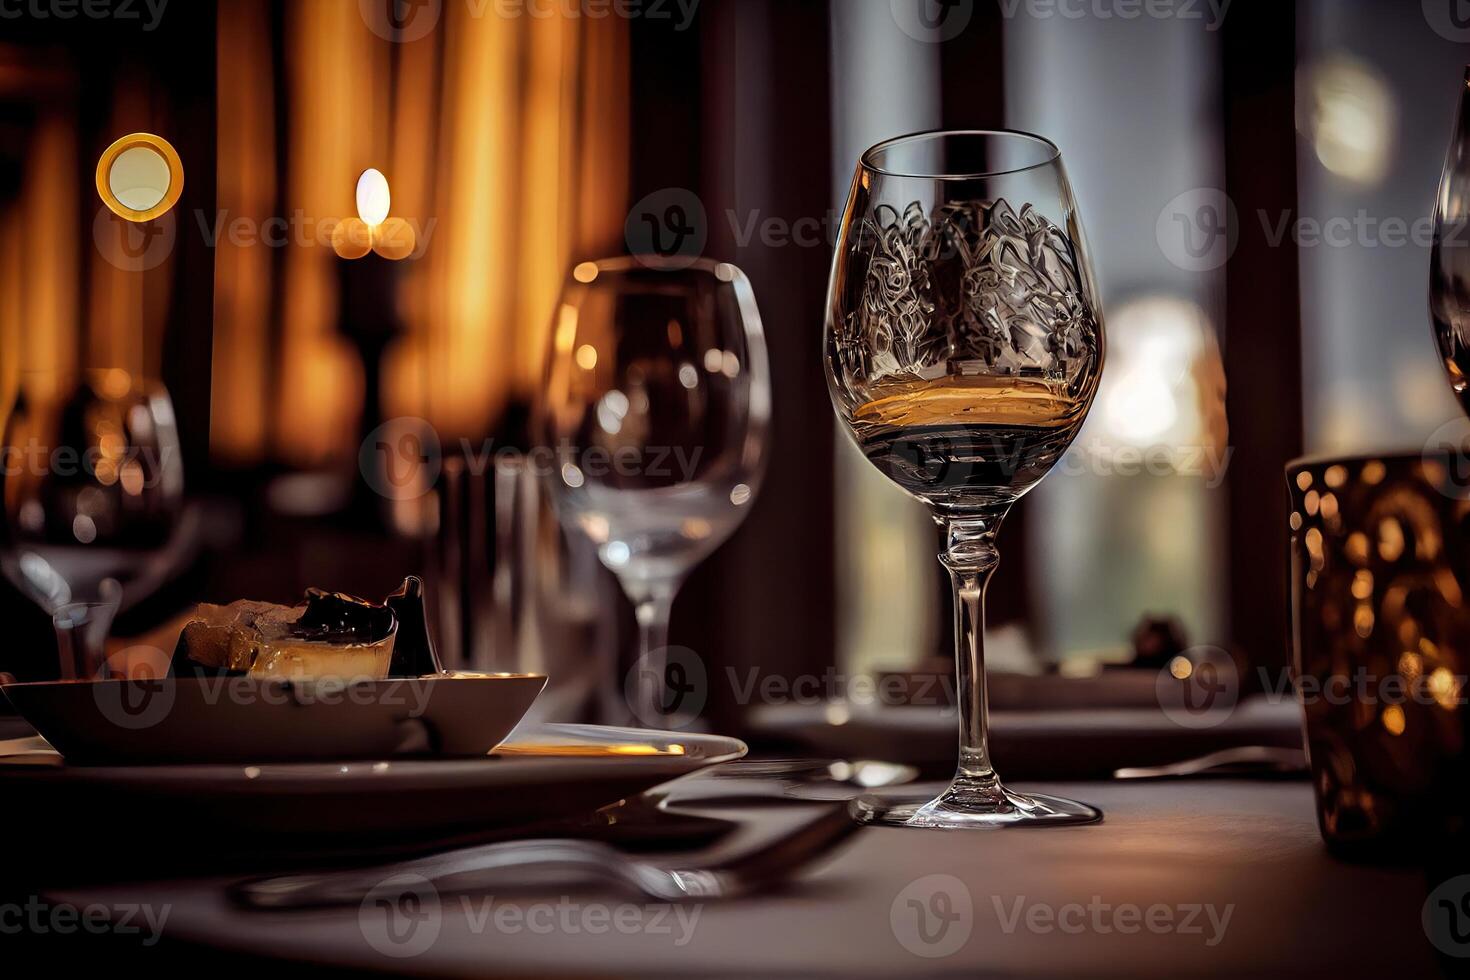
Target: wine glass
91, 483
963, 350
1449, 261
656, 405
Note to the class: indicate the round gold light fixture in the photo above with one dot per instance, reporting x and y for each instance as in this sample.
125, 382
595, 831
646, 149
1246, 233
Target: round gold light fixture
140, 177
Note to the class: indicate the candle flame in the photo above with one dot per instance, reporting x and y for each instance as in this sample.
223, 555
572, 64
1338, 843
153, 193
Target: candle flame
373, 198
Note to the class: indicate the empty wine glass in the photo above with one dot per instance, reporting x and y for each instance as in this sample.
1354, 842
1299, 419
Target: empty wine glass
963, 350
1449, 260
91, 484
656, 405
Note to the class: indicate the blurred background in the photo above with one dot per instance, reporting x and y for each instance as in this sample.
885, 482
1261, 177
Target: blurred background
1256, 179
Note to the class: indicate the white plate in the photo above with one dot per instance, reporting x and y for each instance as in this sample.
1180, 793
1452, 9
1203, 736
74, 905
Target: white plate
244, 719
208, 811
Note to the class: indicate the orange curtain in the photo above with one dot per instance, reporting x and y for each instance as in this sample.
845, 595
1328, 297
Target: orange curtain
504, 140
38, 295
532, 175
246, 153
49, 329
127, 308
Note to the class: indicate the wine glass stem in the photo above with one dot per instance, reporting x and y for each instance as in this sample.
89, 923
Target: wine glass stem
82, 629
970, 557
652, 610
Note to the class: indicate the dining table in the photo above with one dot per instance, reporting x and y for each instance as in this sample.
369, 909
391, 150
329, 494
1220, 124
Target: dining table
1183, 877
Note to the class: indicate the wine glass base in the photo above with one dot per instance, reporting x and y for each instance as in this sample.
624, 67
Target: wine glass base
964, 807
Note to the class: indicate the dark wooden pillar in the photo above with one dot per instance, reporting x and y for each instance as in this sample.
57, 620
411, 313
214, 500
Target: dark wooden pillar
1263, 322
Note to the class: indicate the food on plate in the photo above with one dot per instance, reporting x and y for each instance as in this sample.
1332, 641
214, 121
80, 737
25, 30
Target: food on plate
329, 635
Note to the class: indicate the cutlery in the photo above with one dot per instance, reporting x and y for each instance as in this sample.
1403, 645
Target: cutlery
1244, 760
763, 781
512, 863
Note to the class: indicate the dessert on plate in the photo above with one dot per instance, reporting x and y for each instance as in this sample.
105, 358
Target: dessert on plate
327, 635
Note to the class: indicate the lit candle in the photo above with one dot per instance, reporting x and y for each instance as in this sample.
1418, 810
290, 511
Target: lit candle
373, 230
371, 246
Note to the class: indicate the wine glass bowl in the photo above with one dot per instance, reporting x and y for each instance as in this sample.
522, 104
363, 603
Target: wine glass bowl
1449, 260
656, 407
91, 492
957, 313
964, 345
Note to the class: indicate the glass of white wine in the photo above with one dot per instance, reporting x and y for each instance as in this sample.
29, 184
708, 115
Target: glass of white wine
964, 344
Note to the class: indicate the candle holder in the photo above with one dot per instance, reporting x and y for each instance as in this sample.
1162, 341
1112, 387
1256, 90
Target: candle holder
371, 247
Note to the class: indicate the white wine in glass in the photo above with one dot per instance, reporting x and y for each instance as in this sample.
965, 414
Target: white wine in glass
964, 346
